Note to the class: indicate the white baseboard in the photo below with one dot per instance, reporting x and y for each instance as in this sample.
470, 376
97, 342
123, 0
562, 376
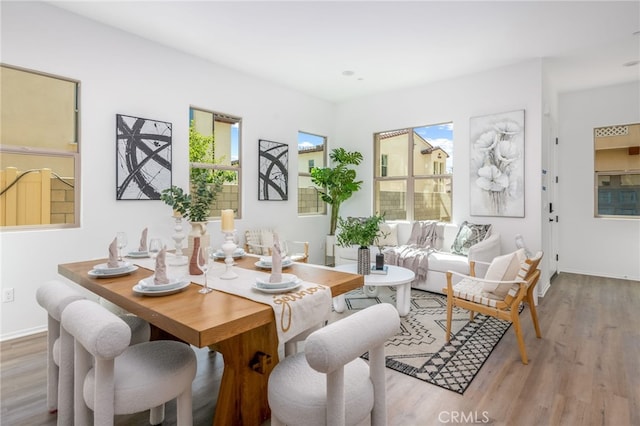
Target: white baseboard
543, 288
22, 333
600, 274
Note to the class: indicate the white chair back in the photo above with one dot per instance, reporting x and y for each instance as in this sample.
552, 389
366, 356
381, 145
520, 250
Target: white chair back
146, 375
352, 390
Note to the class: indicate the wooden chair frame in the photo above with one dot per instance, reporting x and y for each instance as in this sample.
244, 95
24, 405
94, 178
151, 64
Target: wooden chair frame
506, 309
251, 247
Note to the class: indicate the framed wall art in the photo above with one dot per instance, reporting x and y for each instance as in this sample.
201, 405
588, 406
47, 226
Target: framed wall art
496, 185
143, 158
273, 177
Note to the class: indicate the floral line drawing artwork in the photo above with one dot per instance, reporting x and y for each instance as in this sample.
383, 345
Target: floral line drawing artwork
497, 164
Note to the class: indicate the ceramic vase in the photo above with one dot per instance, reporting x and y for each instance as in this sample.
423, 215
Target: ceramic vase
193, 259
198, 229
364, 261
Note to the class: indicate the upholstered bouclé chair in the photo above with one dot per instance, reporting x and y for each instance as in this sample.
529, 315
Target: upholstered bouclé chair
111, 377
328, 383
54, 296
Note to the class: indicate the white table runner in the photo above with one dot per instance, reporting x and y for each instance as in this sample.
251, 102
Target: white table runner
296, 311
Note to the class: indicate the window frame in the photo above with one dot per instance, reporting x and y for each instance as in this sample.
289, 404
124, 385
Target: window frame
599, 191
221, 167
74, 155
305, 172
411, 177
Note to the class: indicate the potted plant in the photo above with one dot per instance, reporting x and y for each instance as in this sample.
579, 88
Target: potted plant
338, 183
362, 232
194, 207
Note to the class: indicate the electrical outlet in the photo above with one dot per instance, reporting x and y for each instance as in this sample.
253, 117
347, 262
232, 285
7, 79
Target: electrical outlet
7, 295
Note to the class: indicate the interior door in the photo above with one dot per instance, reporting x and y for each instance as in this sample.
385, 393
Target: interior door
550, 214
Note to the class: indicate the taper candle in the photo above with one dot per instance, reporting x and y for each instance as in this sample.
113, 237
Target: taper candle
227, 220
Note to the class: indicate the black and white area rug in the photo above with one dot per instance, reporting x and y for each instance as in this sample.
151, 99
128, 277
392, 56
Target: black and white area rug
420, 349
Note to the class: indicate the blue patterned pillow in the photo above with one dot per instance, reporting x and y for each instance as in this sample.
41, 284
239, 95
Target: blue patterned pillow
469, 234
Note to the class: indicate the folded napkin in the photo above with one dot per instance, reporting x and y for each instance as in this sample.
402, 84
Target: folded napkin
113, 254
276, 261
143, 241
160, 276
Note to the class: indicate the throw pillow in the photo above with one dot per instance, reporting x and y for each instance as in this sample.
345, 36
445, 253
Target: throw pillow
439, 241
503, 268
390, 232
469, 234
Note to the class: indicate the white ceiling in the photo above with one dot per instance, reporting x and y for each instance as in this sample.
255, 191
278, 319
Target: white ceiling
388, 45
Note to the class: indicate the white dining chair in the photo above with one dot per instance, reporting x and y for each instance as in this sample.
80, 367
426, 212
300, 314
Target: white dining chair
54, 296
112, 378
328, 383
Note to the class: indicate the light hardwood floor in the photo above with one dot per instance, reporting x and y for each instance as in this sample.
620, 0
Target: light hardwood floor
584, 371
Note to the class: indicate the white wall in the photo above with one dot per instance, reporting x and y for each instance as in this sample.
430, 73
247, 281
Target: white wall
128, 75
589, 245
500, 90
123, 74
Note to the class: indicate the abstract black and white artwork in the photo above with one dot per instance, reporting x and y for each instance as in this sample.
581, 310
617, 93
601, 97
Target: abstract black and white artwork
273, 176
496, 186
143, 158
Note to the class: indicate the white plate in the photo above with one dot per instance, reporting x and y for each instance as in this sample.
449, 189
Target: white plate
266, 260
143, 291
263, 265
287, 280
236, 254
102, 273
138, 254
148, 285
122, 266
293, 286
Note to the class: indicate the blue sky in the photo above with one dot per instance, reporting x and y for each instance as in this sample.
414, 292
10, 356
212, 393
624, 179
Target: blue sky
306, 140
440, 135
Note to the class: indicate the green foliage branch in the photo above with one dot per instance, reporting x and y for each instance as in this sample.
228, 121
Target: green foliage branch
359, 231
338, 183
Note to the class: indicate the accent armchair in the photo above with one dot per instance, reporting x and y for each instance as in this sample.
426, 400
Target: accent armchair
510, 280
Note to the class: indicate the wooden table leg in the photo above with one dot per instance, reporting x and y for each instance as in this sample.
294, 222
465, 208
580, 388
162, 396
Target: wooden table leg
243, 391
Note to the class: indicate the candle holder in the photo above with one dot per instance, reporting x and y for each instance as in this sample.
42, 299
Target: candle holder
228, 247
178, 258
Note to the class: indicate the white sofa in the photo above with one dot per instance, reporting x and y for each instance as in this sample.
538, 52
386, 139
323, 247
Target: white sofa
440, 260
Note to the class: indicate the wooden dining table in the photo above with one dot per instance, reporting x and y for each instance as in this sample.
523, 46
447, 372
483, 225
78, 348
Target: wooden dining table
242, 330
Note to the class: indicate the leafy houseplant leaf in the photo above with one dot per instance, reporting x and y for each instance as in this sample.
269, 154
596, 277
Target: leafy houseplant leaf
338, 183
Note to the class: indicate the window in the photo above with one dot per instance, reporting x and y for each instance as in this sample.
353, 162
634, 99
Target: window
39, 149
214, 149
617, 171
413, 174
311, 153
